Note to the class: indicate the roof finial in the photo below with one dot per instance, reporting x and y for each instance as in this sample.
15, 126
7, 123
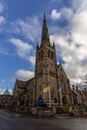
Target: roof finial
53, 44
44, 16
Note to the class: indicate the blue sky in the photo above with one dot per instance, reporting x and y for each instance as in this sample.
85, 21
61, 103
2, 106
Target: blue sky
20, 30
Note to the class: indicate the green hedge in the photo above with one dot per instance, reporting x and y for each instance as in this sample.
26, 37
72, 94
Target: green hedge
66, 108
79, 107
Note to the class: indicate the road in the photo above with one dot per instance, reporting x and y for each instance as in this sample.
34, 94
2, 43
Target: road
10, 121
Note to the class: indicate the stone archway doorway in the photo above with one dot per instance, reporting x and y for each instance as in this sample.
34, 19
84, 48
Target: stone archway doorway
64, 100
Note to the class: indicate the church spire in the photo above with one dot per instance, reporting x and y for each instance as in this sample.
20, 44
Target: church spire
45, 35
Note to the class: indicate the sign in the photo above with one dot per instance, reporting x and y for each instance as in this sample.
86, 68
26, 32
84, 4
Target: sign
46, 89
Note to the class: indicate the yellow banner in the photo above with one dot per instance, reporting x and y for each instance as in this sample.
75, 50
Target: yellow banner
47, 89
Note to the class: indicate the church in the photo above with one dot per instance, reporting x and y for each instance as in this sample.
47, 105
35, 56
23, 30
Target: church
50, 82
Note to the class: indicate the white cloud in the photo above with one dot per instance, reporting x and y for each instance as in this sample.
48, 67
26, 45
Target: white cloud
29, 28
20, 44
23, 49
73, 57
71, 43
1, 91
65, 12
55, 15
24, 74
2, 20
79, 5
32, 59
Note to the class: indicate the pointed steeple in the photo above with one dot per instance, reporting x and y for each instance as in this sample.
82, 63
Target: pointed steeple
53, 44
37, 44
45, 35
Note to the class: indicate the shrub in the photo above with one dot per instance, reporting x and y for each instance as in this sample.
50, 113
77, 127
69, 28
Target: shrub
66, 108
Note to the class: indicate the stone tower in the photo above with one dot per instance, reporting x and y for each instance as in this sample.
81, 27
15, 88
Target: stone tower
46, 79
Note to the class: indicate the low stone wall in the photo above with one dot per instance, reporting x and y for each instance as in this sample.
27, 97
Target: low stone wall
42, 112
79, 113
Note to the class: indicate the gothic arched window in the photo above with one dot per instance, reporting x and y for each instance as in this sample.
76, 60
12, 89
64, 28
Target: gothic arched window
51, 55
63, 86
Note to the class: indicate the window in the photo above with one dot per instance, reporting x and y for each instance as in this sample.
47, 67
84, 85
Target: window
63, 86
51, 55
40, 54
